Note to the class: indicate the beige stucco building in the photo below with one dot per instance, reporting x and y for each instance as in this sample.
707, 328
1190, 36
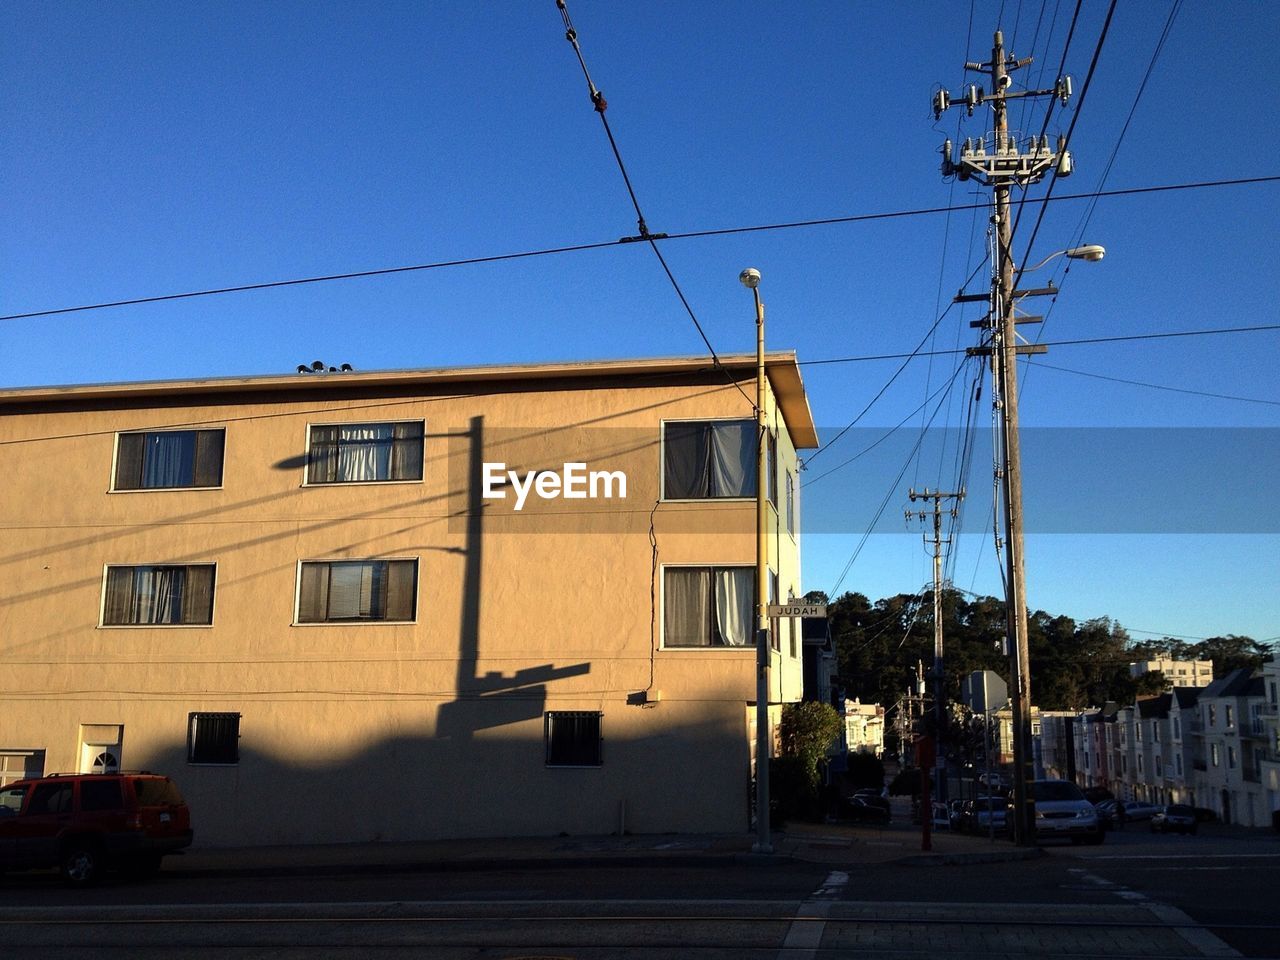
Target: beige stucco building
353, 606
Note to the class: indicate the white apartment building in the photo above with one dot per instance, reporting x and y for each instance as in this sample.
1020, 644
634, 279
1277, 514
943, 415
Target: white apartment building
1177, 673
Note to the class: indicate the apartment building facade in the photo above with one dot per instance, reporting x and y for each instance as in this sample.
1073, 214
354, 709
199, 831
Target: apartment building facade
1177, 673
403, 605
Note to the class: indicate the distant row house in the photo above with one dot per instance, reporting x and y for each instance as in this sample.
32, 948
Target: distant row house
1216, 746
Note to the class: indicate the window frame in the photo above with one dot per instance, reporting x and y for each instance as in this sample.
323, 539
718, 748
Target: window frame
113, 486
213, 598
599, 743
192, 718
792, 489
750, 645
662, 460
297, 592
306, 466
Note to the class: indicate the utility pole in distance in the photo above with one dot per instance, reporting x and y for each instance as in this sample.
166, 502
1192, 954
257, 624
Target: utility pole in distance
939, 688
1002, 161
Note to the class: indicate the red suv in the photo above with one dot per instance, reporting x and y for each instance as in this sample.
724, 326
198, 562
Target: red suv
86, 823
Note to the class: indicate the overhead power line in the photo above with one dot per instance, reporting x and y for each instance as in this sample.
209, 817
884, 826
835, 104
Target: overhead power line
1154, 386
624, 241
1056, 343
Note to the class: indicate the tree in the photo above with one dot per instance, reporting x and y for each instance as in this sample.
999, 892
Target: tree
808, 729
1231, 652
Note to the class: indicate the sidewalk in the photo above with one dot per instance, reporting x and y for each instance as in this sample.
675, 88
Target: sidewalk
833, 844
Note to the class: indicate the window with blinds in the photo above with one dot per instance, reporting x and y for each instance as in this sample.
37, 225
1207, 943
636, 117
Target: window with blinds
355, 591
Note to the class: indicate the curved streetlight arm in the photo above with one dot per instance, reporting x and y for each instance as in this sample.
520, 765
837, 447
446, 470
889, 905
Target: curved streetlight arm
1091, 252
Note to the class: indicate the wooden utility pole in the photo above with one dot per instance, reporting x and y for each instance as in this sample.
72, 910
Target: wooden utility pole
1003, 162
939, 687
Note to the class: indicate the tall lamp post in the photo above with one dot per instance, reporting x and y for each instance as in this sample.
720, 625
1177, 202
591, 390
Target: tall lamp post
750, 278
1005, 358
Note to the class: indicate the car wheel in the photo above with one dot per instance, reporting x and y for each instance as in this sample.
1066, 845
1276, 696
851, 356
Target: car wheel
81, 864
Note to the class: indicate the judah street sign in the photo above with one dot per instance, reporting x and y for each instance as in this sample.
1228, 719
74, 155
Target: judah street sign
809, 610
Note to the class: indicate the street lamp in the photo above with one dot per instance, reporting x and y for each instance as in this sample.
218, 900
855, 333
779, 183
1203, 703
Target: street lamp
750, 278
1005, 372
1092, 252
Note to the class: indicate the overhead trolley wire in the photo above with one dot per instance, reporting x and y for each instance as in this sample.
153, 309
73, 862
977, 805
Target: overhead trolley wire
601, 105
603, 244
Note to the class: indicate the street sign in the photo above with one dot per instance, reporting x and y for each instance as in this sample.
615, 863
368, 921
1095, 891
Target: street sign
809, 610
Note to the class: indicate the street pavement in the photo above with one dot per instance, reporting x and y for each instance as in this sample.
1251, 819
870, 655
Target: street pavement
830, 890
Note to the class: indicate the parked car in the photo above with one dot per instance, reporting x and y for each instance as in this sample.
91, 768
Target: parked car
866, 809
84, 824
1175, 818
993, 781
981, 814
1134, 810
1062, 811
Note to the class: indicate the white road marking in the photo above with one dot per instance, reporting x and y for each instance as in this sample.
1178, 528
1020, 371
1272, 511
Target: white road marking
1208, 943
804, 936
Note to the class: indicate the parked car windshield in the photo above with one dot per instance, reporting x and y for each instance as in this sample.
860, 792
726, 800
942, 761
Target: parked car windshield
1048, 791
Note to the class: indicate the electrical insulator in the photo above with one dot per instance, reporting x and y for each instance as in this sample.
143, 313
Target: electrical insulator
1064, 89
941, 100
972, 96
948, 168
1064, 158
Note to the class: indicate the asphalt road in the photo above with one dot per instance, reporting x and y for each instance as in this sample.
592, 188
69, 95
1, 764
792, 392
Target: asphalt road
1136, 895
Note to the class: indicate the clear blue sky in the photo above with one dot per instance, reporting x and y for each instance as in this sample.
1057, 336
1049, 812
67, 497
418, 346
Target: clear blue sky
157, 148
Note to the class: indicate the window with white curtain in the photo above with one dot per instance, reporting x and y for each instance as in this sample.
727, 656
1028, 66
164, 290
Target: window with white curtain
344, 591
169, 459
708, 459
707, 606
365, 452
159, 595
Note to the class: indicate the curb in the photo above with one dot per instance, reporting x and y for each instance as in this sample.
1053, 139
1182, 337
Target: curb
477, 864
959, 859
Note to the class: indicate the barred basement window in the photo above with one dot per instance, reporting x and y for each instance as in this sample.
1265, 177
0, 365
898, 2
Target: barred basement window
365, 452
213, 738
169, 459
573, 738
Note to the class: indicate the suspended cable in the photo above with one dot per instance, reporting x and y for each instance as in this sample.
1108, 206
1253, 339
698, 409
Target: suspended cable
600, 245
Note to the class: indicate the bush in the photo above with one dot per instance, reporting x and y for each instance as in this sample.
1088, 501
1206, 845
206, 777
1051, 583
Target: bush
791, 793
